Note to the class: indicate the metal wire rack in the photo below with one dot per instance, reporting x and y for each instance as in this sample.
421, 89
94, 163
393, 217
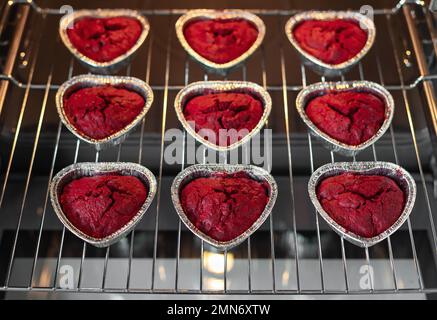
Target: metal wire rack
293, 253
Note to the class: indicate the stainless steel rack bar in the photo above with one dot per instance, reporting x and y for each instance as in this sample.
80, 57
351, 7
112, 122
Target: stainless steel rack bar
35, 86
423, 78
166, 12
401, 79
163, 126
290, 165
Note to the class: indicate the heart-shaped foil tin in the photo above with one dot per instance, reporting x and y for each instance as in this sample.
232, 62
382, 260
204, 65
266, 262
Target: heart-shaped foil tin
317, 89
107, 67
85, 169
204, 14
323, 68
207, 87
84, 81
401, 176
206, 170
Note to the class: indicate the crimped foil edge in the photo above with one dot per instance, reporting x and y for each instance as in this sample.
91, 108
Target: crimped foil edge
219, 14
316, 89
116, 63
204, 170
319, 65
78, 170
83, 81
197, 88
400, 175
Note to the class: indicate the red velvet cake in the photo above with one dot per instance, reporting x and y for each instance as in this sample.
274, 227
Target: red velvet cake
220, 40
104, 39
366, 205
99, 112
101, 205
350, 117
221, 112
331, 41
224, 206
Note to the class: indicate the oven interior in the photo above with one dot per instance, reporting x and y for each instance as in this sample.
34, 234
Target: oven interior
294, 253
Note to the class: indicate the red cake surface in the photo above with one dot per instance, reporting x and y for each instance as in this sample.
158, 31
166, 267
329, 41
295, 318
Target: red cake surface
220, 40
366, 205
224, 206
104, 39
100, 205
99, 112
350, 117
221, 112
331, 41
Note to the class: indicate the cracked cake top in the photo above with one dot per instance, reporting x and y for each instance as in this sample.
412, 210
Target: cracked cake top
350, 117
100, 205
366, 205
101, 111
220, 40
104, 39
223, 206
221, 112
331, 41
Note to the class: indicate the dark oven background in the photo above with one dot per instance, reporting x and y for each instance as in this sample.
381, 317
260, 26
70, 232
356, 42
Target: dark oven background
294, 251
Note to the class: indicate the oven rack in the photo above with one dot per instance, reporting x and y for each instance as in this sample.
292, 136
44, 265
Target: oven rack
408, 84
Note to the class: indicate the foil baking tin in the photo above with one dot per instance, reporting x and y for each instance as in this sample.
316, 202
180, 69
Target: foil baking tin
401, 176
323, 68
206, 170
87, 169
317, 89
207, 87
84, 81
107, 67
203, 14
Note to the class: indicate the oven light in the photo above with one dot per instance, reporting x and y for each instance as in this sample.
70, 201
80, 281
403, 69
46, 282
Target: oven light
214, 262
162, 273
215, 284
285, 278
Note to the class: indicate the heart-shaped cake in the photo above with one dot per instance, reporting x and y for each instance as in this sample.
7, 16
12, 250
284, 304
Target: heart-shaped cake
350, 117
100, 202
332, 41
366, 205
364, 202
99, 112
104, 39
220, 39
347, 116
103, 110
223, 114
223, 204
100, 205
